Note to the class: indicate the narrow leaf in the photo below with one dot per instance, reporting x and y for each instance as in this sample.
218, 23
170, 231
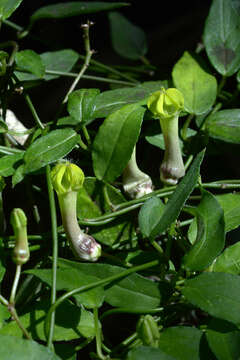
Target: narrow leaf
216, 293
224, 125
81, 104
149, 215
210, 236
13, 348
115, 140
69, 9
9, 163
222, 37
49, 148
7, 7
198, 87
179, 197
128, 40
30, 61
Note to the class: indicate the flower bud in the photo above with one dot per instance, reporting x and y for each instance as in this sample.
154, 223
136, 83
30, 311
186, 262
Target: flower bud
18, 221
66, 177
166, 103
147, 331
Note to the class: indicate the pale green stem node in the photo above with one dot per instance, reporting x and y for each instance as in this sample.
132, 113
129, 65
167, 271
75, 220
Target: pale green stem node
21, 252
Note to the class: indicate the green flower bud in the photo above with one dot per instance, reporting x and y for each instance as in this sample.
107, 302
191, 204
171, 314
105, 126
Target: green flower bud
147, 331
21, 252
166, 103
66, 177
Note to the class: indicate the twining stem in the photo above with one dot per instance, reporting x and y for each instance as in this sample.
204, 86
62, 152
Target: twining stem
3, 300
54, 253
15, 284
34, 112
88, 56
14, 315
186, 125
92, 286
98, 334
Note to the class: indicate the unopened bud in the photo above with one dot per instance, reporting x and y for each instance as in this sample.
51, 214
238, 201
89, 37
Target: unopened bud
21, 252
147, 331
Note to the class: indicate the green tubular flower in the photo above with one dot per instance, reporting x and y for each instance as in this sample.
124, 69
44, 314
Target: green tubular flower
135, 182
166, 105
147, 331
21, 252
67, 179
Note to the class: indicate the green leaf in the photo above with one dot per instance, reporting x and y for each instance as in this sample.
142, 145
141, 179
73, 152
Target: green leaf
133, 292
13, 348
81, 104
216, 293
69, 9
30, 61
111, 100
181, 342
9, 163
230, 204
60, 61
149, 215
71, 322
7, 7
228, 261
4, 315
223, 339
224, 125
179, 197
210, 235
128, 40
148, 352
222, 37
70, 280
49, 148
115, 140
198, 87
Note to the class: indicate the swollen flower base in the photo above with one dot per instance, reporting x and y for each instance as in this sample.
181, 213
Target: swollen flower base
67, 179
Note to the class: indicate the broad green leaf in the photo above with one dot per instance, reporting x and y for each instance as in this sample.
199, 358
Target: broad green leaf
71, 322
228, 261
181, 342
69, 9
49, 148
224, 125
18, 175
92, 204
223, 339
128, 40
30, 61
133, 292
65, 350
230, 204
9, 163
215, 293
178, 198
4, 315
148, 352
210, 234
81, 104
198, 87
115, 140
7, 7
111, 100
222, 37
59, 61
149, 215
13, 348
70, 280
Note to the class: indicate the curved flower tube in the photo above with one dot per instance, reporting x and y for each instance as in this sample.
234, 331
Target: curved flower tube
18, 220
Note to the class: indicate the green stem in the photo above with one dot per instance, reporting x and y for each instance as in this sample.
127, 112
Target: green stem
3, 300
88, 56
92, 286
98, 334
129, 311
33, 111
14, 314
186, 125
221, 84
9, 150
86, 134
15, 284
55, 253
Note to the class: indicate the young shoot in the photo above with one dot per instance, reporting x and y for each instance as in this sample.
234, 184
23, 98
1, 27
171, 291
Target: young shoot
135, 182
166, 105
67, 179
21, 252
